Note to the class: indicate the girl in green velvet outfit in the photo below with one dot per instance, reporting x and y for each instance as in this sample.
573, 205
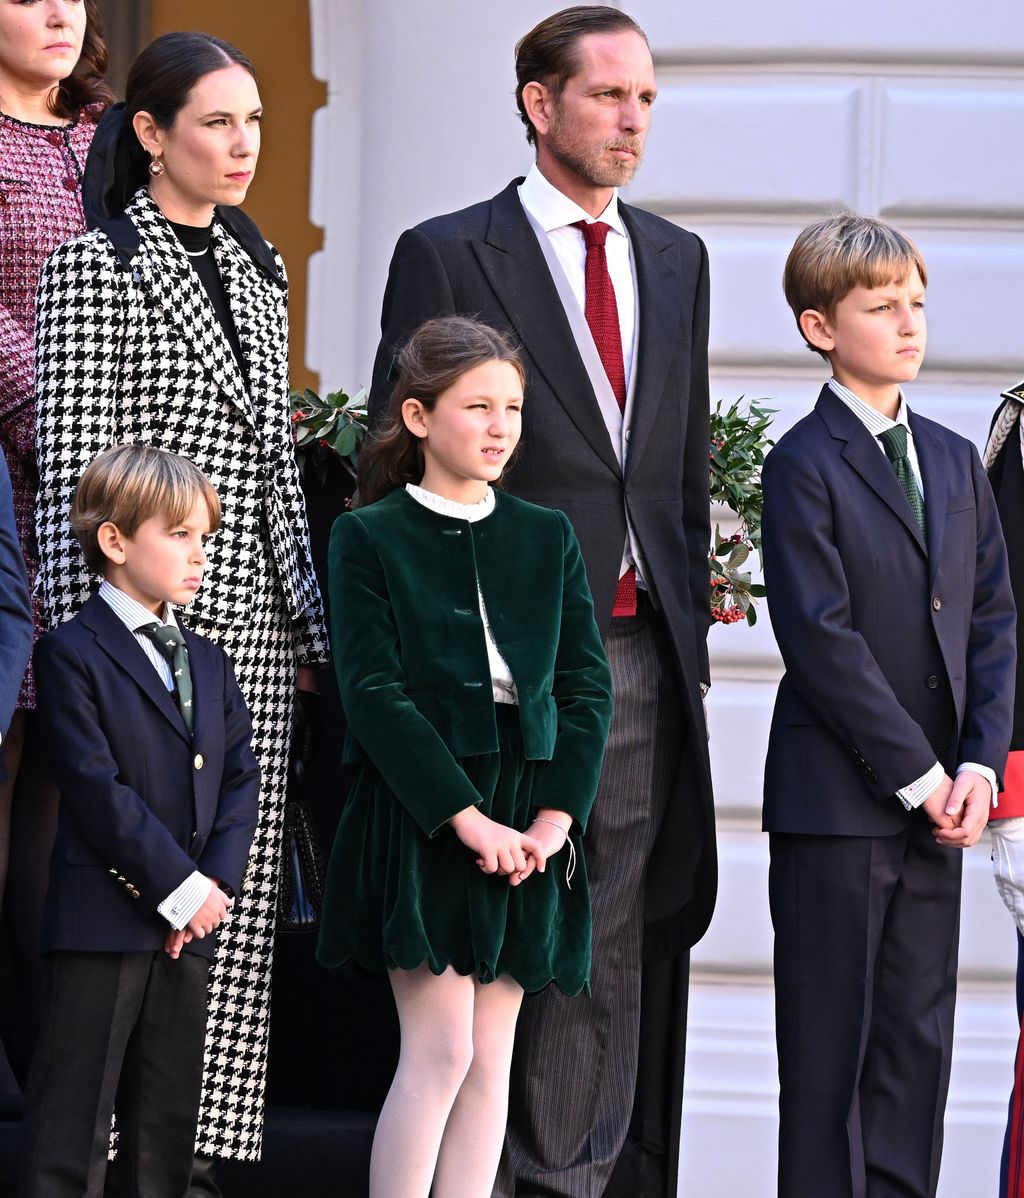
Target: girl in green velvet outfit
478, 700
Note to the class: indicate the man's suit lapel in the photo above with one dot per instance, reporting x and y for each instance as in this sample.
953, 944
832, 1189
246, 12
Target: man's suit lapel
863, 455
931, 456
514, 266
658, 287
125, 652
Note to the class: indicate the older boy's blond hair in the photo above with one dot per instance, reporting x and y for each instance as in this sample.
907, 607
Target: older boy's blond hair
127, 485
832, 256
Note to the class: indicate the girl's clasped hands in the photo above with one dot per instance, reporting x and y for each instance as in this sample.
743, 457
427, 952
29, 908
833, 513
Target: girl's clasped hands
506, 851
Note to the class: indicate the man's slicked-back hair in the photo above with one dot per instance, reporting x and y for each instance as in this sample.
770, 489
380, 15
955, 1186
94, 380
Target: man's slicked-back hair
839, 252
548, 53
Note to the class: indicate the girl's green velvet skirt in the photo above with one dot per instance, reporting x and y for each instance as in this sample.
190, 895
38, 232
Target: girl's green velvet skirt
396, 898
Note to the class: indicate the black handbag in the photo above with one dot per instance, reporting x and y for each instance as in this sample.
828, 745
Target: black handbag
300, 883
300, 875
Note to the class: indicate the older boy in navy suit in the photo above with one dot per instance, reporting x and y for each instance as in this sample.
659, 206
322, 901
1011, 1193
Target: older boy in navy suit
890, 601
159, 787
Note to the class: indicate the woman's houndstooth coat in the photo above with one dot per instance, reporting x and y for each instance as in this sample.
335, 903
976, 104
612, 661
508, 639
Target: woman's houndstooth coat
129, 349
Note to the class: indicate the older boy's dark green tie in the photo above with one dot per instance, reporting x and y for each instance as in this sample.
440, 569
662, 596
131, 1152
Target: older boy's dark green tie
894, 442
171, 644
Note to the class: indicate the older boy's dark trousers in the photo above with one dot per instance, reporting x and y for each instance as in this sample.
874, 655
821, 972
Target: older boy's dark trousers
866, 938
124, 1030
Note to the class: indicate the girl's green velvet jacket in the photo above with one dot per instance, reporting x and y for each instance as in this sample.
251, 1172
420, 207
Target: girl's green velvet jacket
411, 655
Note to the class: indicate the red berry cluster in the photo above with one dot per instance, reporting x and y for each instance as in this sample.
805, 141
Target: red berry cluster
297, 416
718, 443
727, 615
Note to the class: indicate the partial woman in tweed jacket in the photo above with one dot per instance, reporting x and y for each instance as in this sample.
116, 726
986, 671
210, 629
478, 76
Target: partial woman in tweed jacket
136, 343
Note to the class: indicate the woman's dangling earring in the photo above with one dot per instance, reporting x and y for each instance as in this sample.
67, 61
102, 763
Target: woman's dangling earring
156, 167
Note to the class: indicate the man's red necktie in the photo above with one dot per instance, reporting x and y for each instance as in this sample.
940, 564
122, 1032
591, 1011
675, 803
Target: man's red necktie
602, 315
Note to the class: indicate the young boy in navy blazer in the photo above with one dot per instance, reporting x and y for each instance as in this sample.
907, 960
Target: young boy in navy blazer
890, 600
149, 738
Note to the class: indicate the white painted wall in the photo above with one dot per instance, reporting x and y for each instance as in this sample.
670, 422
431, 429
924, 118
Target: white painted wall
768, 115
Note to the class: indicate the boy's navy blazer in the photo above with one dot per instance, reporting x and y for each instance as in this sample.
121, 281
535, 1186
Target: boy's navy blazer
143, 803
874, 622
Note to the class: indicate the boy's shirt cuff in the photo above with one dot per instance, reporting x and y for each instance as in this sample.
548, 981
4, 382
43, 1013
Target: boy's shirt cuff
986, 772
915, 793
181, 904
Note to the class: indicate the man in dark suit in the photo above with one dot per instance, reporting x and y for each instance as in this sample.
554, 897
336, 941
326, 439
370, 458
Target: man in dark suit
890, 600
610, 304
15, 609
159, 789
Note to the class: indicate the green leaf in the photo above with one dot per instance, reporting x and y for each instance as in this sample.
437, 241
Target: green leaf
739, 555
344, 442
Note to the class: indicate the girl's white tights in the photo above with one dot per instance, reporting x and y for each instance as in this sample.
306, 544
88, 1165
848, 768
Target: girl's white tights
444, 1119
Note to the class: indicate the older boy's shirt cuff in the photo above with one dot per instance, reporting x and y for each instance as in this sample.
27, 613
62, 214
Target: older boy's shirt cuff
915, 794
986, 772
181, 904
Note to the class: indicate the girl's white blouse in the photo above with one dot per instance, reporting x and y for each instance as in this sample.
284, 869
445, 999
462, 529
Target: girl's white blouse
502, 683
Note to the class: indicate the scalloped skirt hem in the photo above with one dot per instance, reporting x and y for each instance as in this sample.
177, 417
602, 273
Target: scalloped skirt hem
396, 898
484, 974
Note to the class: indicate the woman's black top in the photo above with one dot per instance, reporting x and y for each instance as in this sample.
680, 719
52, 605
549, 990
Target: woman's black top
196, 243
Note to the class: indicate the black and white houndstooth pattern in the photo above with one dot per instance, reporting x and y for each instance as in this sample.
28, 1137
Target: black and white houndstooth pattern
137, 354
231, 1111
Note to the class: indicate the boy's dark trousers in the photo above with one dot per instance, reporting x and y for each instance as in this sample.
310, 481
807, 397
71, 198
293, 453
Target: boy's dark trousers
122, 1030
866, 938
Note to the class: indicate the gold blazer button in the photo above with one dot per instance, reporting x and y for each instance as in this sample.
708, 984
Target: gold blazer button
198, 761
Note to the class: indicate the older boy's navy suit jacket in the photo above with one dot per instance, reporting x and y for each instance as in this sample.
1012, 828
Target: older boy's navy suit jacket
142, 802
875, 622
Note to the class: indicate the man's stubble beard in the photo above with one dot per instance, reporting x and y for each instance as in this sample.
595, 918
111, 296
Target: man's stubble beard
566, 148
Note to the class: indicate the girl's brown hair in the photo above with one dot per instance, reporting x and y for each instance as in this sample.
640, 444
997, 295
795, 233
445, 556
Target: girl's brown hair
86, 86
434, 358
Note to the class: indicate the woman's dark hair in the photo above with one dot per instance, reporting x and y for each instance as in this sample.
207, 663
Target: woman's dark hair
434, 358
86, 86
159, 82
547, 54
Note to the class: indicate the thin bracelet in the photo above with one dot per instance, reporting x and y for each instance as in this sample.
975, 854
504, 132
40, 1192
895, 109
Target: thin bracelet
539, 819
571, 868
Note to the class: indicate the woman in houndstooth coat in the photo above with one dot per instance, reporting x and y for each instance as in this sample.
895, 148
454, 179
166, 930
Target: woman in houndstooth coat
163, 328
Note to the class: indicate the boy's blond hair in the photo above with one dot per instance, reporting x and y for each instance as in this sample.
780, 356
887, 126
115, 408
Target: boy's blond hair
832, 256
129, 484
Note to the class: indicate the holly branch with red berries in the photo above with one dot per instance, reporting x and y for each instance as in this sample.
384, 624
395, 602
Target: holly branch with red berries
739, 441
